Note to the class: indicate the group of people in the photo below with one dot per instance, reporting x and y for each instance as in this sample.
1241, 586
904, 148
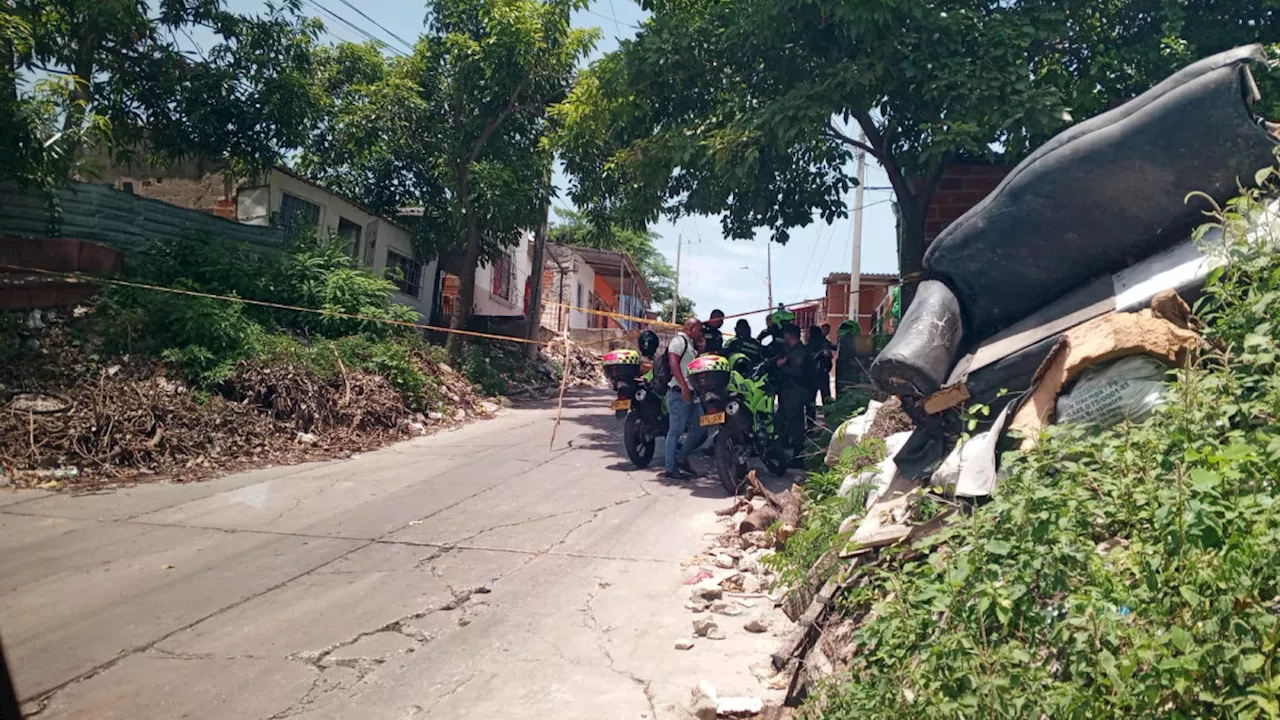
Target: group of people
804, 372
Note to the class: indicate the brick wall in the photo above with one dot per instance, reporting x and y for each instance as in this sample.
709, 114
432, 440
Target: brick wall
963, 185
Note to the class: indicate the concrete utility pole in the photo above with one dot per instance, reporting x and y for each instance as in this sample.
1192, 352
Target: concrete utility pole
535, 271
855, 268
768, 249
675, 304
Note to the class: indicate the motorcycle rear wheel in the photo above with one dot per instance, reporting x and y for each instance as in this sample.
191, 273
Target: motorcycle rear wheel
730, 469
635, 441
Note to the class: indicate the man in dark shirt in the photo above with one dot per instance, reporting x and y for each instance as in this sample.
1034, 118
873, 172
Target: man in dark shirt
795, 387
713, 339
743, 343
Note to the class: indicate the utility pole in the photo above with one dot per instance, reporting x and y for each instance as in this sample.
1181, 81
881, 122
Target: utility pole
675, 303
535, 271
768, 249
855, 268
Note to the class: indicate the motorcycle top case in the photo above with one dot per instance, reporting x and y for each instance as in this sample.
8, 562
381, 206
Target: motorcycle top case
1105, 193
709, 375
622, 365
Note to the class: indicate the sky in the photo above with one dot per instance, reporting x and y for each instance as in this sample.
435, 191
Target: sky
712, 268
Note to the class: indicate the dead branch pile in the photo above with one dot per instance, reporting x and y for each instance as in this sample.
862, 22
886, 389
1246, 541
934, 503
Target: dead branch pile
68, 422
890, 419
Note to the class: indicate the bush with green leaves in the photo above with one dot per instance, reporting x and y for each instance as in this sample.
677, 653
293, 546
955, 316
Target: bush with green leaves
206, 338
1125, 573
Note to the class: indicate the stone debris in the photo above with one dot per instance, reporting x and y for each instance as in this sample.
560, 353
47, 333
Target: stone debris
705, 702
755, 625
716, 633
739, 707
703, 626
751, 584
724, 607
725, 561
708, 592
684, 644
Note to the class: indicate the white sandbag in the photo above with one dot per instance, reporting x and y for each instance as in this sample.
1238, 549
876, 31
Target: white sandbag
970, 469
850, 433
1126, 389
852, 480
887, 472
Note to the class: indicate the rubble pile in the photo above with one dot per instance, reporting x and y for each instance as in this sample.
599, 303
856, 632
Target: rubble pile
71, 421
584, 367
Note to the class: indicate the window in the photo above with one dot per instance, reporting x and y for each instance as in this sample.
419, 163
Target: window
405, 272
350, 232
579, 303
504, 272
296, 214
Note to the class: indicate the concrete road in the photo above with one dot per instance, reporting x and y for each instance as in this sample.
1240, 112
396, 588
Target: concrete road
472, 574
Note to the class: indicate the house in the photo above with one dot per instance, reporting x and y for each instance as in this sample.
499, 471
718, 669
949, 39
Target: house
284, 199
604, 281
502, 284
873, 291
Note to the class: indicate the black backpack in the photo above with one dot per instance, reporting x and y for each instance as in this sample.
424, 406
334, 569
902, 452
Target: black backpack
662, 369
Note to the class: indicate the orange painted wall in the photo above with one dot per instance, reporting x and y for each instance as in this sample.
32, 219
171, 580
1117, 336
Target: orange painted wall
608, 298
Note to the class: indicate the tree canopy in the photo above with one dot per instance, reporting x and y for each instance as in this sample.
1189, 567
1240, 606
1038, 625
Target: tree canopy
458, 128
754, 108
118, 75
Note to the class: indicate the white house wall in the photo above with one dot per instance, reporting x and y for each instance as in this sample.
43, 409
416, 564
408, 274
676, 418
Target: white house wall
486, 303
382, 233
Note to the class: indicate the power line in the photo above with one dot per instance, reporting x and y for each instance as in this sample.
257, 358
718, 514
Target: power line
408, 46
365, 33
614, 12
606, 17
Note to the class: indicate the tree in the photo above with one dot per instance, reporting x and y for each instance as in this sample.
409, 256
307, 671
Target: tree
125, 81
753, 108
684, 312
466, 118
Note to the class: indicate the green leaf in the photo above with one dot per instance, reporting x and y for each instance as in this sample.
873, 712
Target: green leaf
1253, 662
998, 547
1181, 639
1189, 595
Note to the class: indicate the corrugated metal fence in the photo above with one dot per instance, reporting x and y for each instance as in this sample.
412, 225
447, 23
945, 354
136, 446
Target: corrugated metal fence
119, 219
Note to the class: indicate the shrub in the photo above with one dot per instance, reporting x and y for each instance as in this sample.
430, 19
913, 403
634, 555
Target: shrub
1125, 573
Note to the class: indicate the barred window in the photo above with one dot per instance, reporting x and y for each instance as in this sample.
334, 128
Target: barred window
405, 272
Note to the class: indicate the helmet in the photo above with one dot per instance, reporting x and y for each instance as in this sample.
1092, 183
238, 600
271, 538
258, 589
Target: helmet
648, 342
849, 327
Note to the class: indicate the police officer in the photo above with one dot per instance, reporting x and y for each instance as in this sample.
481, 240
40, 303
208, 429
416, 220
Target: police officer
796, 385
712, 338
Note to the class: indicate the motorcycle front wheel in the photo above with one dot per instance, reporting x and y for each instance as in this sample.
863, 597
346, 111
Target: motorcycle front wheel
636, 442
731, 467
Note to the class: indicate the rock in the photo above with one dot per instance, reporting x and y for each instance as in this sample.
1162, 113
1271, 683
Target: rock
705, 702
416, 429
489, 407
460, 414
684, 644
716, 633
708, 592
724, 607
446, 369
435, 416
308, 438
751, 585
697, 605
757, 538
749, 564
755, 625
725, 561
733, 552
739, 707
737, 519
702, 626
504, 401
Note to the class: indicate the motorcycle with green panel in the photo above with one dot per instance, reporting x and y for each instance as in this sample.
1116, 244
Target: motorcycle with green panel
642, 410
737, 396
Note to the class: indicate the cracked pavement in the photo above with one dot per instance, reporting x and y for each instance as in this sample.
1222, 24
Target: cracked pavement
472, 574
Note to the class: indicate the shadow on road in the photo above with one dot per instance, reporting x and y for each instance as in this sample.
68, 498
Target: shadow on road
601, 430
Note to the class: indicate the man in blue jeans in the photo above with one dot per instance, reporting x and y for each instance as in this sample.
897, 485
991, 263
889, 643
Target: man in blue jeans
682, 406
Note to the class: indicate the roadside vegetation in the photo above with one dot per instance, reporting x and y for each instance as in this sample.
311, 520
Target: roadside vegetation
1123, 573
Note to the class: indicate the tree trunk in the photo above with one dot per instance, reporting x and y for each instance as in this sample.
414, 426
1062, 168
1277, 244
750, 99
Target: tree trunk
535, 271
470, 259
80, 101
911, 246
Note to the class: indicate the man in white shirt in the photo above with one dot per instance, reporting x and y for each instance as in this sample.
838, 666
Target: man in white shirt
682, 407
